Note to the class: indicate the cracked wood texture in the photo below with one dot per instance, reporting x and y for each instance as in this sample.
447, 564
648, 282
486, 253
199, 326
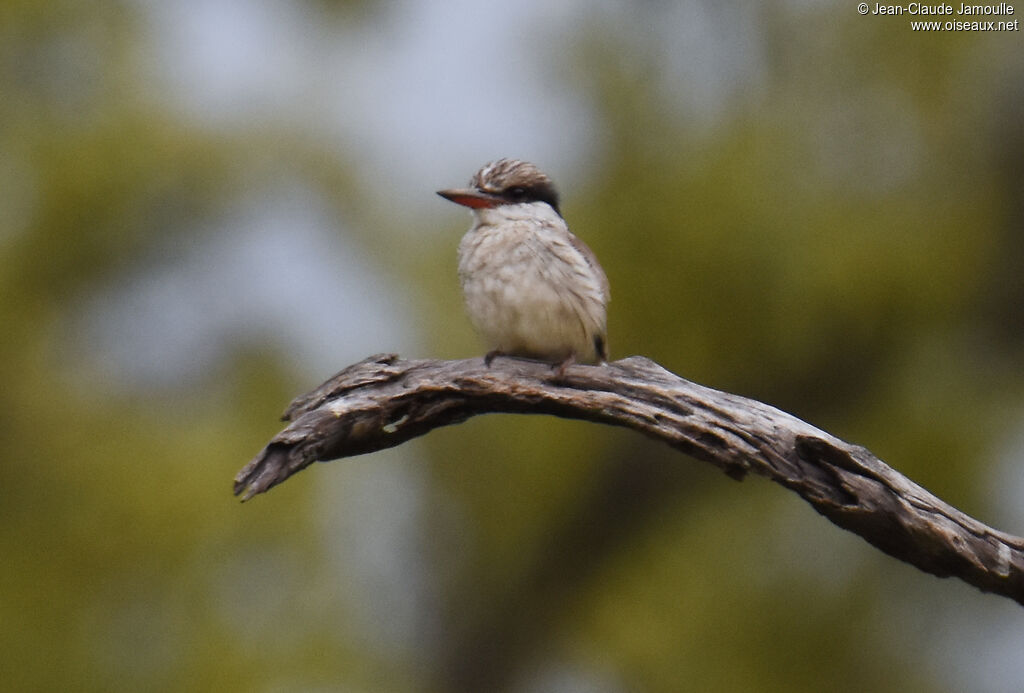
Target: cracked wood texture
383, 401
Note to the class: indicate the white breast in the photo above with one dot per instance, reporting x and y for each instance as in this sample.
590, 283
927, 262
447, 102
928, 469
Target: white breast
530, 289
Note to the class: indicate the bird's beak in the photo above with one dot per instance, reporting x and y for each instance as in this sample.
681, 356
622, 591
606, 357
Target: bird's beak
469, 197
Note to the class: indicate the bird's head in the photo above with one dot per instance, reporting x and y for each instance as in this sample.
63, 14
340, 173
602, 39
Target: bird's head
505, 182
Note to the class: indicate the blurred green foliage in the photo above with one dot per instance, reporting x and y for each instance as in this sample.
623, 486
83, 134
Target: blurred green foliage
844, 244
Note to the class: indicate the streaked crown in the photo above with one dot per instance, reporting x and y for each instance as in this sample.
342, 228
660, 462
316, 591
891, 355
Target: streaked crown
515, 181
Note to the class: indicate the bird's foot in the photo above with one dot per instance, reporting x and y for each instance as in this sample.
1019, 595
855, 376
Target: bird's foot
491, 355
559, 368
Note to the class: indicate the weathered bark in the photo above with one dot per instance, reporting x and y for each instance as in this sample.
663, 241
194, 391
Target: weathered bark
383, 401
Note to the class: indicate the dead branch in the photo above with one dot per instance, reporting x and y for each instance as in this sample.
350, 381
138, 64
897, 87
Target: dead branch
382, 401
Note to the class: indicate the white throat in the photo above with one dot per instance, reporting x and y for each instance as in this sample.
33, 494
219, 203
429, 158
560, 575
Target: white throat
524, 211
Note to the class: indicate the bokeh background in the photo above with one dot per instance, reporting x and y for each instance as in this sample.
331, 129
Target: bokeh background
209, 206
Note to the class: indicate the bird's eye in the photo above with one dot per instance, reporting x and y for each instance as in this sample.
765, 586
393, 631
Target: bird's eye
517, 193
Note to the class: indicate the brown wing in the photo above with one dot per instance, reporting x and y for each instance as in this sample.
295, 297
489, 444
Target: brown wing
600, 340
591, 259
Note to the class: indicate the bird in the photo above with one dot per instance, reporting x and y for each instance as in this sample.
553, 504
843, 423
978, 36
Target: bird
532, 289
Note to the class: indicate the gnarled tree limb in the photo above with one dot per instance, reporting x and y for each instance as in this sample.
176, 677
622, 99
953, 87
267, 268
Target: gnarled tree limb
383, 401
